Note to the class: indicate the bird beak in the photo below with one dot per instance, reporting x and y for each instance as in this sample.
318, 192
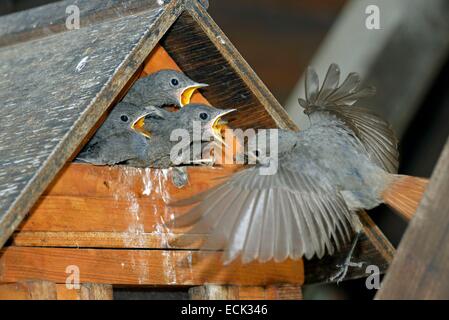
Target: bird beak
188, 92
217, 125
138, 126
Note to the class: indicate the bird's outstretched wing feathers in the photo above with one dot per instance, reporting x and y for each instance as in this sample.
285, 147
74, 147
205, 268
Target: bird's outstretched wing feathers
260, 217
375, 133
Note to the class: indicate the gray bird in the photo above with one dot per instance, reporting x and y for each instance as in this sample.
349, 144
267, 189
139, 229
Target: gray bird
115, 142
158, 126
346, 161
165, 87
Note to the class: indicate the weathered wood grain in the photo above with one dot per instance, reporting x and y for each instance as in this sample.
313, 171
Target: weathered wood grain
54, 89
420, 269
51, 19
47, 290
29, 290
274, 292
141, 267
96, 291
119, 207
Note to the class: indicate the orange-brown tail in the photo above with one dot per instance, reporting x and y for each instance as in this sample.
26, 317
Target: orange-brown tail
404, 194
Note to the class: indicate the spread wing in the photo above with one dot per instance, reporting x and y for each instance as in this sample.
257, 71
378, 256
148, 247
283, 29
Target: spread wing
261, 217
375, 133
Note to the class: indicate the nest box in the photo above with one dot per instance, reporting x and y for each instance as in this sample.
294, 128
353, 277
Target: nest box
56, 87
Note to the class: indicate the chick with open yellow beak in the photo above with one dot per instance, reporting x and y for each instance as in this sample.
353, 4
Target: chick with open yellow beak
163, 88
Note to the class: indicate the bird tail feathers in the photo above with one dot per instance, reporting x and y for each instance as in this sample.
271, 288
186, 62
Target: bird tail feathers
331, 93
404, 194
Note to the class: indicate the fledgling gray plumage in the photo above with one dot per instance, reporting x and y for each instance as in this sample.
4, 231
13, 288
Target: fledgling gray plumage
164, 87
346, 161
159, 127
115, 142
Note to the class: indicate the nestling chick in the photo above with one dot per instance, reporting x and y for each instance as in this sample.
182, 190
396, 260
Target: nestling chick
165, 87
115, 142
162, 127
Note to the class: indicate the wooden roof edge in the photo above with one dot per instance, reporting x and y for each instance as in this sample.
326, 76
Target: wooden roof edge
80, 129
50, 19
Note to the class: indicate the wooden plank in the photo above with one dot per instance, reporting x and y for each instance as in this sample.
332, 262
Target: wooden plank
63, 293
28, 290
47, 290
51, 19
129, 239
74, 96
420, 269
141, 267
202, 51
85, 180
274, 292
89, 207
86, 198
86, 291
95, 291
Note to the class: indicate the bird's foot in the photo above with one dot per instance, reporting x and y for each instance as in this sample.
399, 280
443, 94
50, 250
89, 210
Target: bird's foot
340, 275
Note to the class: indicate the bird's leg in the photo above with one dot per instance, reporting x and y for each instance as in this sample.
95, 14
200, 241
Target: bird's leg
343, 268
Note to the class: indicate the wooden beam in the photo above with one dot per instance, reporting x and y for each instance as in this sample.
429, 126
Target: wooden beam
274, 292
47, 290
141, 267
86, 198
28, 290
95, 291
51, 18
420, 269
89, 207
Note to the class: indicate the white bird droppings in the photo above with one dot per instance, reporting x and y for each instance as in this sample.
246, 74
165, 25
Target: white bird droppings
80, 66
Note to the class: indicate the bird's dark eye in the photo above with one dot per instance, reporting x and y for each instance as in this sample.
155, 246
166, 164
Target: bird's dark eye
174, 82
124, 118
204, 116
257, 153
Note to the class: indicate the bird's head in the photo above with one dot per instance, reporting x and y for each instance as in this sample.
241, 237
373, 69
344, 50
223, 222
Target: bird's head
210, 118
150, 119
201, 122
176, 86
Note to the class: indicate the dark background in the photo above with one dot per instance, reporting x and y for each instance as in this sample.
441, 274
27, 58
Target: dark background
278, 38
